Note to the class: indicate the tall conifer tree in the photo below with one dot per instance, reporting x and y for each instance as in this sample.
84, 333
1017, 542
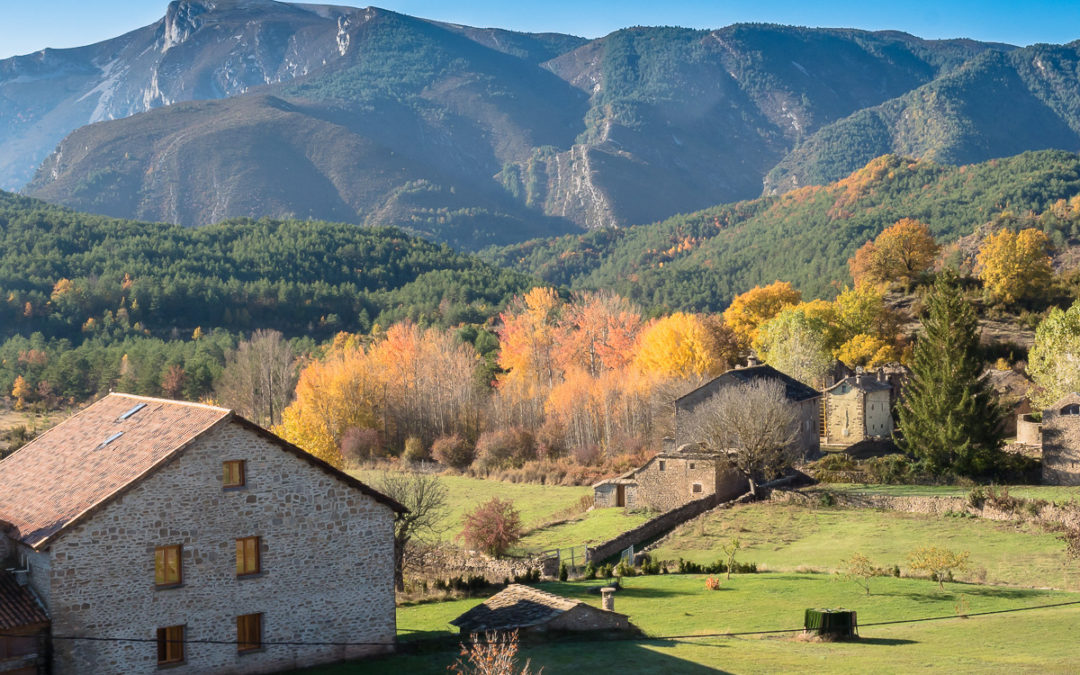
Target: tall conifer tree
950, 417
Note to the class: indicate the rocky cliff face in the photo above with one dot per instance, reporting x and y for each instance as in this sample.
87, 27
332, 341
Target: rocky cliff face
201, 49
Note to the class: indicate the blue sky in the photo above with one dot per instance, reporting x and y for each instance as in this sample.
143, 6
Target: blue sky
29, 25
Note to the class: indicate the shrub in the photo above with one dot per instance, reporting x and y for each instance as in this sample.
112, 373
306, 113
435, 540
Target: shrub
590, 571
712, 584
625, 570
453, 451
505, 448
359, 445
588, 455
493, 527
564, 572
551, 440
414, 450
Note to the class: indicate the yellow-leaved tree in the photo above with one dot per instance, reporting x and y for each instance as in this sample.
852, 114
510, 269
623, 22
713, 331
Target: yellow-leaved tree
751, 309
679, 345
899, 254
1015, 266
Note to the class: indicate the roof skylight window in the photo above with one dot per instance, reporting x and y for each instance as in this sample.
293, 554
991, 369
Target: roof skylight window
132, 411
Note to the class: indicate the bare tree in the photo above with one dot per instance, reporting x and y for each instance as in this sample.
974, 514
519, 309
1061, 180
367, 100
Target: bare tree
259, 377
424, 495
753, 423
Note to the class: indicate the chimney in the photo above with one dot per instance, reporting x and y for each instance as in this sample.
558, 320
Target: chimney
607, 602
752, 361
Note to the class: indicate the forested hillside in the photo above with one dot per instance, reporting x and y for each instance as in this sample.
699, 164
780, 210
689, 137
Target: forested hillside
699, 261
79, 292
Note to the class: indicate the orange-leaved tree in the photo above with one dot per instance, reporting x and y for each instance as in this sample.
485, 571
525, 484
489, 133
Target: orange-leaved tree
1015, 266
679, 345
899, 254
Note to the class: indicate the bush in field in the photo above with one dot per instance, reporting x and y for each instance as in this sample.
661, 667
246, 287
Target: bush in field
359, 445
414, 450
453, 451
939, 562
505, 448
493, 527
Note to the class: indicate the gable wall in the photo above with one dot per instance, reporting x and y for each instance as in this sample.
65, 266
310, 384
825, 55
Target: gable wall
327, 561
1060, 448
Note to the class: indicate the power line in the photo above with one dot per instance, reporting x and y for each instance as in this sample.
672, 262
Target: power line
628, 638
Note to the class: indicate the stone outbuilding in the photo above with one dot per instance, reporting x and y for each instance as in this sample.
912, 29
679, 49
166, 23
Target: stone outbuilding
1061, 442
803, 396
530, 610
24, 627
671, 479
857, 408
218, 545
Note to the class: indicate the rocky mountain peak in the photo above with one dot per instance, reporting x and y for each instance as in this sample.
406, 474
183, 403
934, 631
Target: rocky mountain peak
182, 18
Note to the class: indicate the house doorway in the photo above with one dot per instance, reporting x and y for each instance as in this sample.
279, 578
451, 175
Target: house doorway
620, 495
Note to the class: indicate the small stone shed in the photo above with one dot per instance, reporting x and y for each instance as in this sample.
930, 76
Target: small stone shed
531, 610
857, 408
671, 479
24, 627
803, 396
1061, 442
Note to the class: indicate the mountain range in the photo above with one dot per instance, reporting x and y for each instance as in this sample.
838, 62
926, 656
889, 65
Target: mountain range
483, 136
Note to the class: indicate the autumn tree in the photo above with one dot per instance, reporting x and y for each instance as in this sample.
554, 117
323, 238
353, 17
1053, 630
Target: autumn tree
753, 424
1054, 359
751, 309
259, 377
950, 417
796, 345
493, 527
900, 254
20, 391
1015, 266
595, 333
939, 563
527, 335
424, 497
679, 345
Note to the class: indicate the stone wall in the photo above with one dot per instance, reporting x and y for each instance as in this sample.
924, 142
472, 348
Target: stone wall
809, 432
853, 415
326, 560
667, 482
444, 562
658, 525
1028, 431
1061, 448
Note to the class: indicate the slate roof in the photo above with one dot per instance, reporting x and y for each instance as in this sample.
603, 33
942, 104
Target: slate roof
19, 608
865, 383
514, 607
793, 389
87, 460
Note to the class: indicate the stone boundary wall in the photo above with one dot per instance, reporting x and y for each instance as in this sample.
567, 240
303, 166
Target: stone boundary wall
444, 562
1028, 431
1049, 513
656, 526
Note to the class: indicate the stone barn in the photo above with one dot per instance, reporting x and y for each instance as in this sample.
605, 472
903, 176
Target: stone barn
671, 479
1061, 442
220, 546
857, 408
803, 396
530, 610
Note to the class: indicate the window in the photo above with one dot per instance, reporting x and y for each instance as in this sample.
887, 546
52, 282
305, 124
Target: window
697, 488
167, 566
170, 645
1071, 409
248, 632
247, 556
233, 473
661, 465
691, 465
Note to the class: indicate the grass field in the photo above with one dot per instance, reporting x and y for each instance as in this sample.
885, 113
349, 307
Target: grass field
791, 538
538, 504
1052, 493
679, 605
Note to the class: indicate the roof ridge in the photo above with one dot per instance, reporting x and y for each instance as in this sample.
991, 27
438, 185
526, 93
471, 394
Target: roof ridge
170, 401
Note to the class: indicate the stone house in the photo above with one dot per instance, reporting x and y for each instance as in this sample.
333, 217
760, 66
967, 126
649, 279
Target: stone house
803, 396
857, 408
1061, 442
209, 543
671, 479
531, 610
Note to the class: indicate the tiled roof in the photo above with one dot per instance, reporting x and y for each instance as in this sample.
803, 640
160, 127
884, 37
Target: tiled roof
516, 606
864, 382
18, 606
96, 454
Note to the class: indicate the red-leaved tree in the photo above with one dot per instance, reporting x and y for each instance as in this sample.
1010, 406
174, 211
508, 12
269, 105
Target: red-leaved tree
493, 527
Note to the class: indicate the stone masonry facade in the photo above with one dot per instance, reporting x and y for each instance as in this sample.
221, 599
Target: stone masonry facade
1061, 442
326, 574
854, 415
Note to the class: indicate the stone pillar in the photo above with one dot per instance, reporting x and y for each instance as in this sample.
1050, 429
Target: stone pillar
608, 598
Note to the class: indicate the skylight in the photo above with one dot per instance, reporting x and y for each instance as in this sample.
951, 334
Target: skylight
110, 439
132, 412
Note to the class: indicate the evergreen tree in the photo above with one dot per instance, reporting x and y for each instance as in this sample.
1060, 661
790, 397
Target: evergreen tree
950, 417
